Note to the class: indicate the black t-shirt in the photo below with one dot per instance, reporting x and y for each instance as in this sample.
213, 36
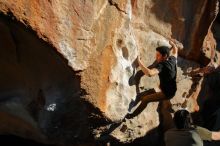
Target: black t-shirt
167, 75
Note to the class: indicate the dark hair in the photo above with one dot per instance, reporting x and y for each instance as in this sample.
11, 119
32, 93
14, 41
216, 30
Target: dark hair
164, 50
182, 119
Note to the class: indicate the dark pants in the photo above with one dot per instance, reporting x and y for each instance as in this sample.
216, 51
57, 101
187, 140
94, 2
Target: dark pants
145, 99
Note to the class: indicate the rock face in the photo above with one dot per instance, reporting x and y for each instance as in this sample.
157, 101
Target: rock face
69, 66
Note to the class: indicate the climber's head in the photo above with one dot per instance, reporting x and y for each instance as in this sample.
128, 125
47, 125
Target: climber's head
162, 53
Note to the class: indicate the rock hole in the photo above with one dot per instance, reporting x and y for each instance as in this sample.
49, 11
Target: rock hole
125, 52
119, 43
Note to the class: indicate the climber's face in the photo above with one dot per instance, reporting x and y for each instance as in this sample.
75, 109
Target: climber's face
160, 57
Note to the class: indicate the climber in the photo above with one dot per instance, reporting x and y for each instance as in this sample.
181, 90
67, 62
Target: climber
166, 69
187, 134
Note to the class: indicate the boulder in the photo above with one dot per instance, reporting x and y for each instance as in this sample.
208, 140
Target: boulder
70, 66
